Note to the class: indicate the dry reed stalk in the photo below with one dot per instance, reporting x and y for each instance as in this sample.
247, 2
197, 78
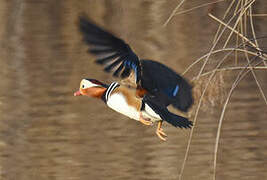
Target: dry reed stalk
215, 76
235, 31
197, 7
224, 16
234, 68
250, 42
234, 85
253, 32
258, 15
218, 51
173, 12
214, 94
219, 37
211, 73
196, 114
242, 13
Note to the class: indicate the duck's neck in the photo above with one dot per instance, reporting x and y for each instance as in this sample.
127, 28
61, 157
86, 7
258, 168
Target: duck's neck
109, 90
99, 92
95, 92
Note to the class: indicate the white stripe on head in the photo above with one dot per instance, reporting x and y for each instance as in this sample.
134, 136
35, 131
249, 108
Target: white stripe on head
85, 83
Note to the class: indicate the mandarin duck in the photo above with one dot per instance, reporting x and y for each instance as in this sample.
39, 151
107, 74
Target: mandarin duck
147, 86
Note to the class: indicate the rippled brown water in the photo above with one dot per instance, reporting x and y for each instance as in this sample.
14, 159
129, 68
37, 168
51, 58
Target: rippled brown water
46, 133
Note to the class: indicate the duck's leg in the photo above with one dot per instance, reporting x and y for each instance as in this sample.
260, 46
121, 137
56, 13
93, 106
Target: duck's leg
160, 132
144, 120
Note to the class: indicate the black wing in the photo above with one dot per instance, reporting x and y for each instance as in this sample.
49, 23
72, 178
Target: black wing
156, 104
110, 51
167, 85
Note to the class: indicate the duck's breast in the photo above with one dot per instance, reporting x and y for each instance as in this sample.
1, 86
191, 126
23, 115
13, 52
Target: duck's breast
118, 102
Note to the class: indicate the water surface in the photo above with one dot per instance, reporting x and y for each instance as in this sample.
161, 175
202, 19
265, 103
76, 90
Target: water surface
46, 133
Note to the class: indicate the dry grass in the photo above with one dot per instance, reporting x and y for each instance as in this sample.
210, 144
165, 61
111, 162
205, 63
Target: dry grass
214, 94
209, 87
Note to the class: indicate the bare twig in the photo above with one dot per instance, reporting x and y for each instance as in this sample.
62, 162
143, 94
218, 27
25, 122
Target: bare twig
215, 43
254, 45
253, 32
217, 51
258, 15
243, 11
224, 16
252, 71
173, 12
235, 31
236, 82
197, 7
197, 111
231, 69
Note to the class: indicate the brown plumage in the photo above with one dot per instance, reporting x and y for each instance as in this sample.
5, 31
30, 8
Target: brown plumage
140, 92
96, 92
130, 96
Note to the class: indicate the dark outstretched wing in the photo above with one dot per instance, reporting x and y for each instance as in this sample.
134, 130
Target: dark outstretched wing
167, 85
110, 51
155, 103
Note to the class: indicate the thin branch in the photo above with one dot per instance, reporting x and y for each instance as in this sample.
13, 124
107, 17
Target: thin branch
217, 51
252, 71
197, 7
234, 85
224, 16
253, 31
173, 13
230, 69
258, 15
197, 111
244, 7
235, 31
215, 43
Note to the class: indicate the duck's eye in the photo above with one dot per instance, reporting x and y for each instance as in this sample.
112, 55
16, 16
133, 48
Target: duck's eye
82, 86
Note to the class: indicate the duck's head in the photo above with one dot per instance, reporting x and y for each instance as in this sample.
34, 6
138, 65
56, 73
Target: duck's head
91, 88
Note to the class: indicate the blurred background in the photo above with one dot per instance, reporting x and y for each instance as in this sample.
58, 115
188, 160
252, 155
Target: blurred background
47, 134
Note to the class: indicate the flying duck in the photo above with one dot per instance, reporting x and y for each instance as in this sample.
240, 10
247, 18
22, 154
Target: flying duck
147, 87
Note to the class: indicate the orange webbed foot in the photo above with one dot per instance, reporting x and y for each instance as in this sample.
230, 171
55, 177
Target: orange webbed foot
145, 121
160, 132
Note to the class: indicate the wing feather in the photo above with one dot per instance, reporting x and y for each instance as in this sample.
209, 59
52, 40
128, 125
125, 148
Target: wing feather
102, 43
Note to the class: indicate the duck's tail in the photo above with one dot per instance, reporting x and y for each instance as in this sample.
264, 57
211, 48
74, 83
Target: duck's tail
173, 119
